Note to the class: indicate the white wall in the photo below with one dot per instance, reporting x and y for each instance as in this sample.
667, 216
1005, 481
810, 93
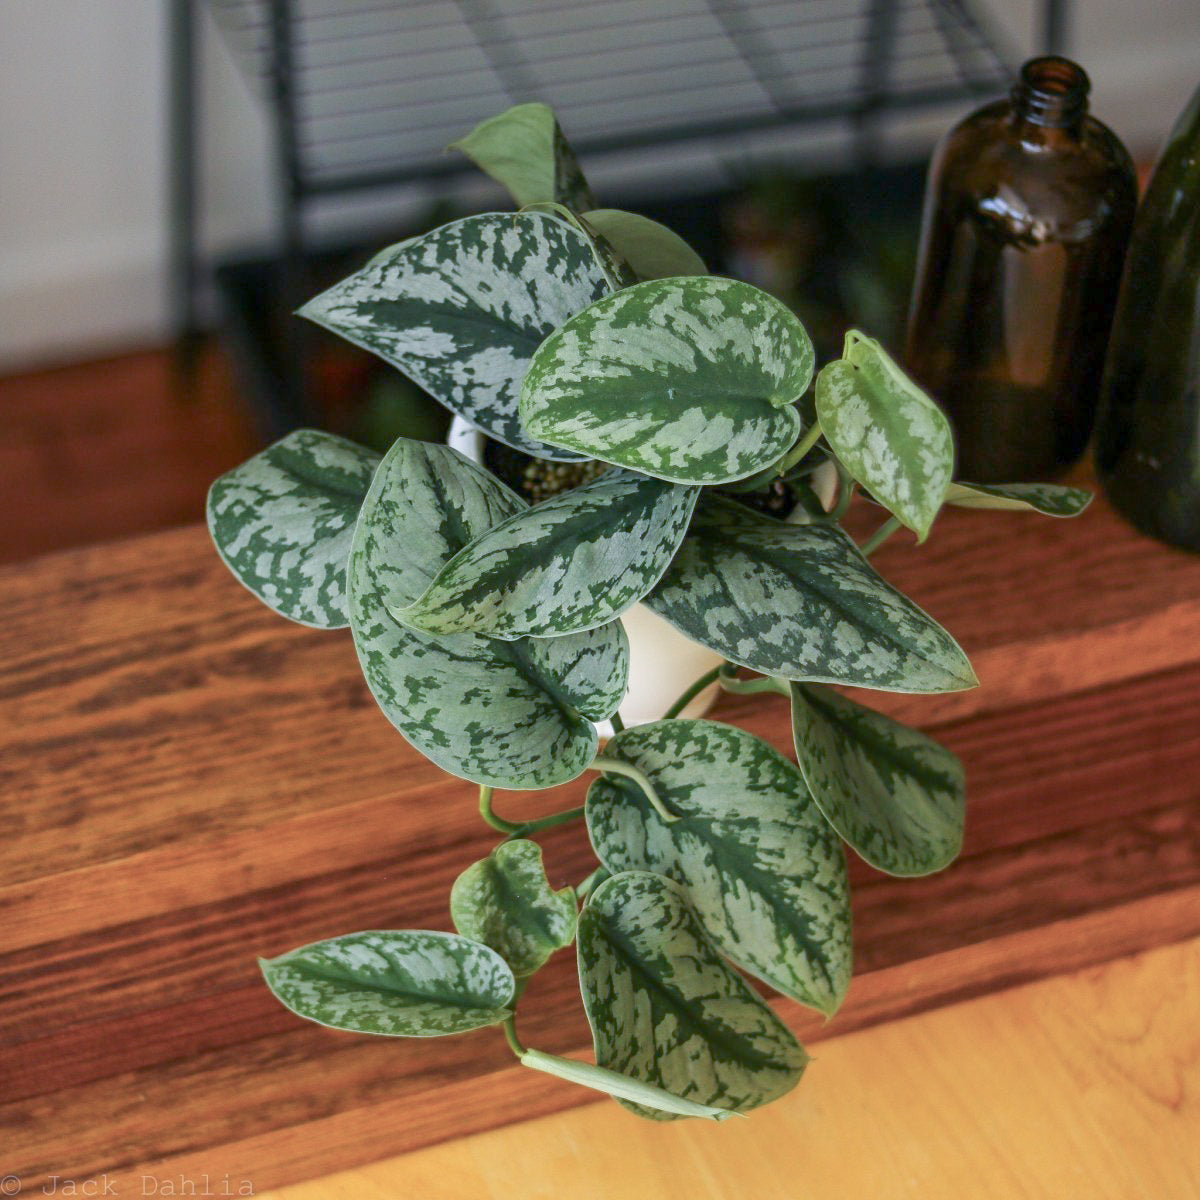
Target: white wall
83, 152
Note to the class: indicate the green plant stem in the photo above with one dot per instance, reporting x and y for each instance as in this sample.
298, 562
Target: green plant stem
584, 890
510, 1036
800, 449
524, 828
617, 766
880, 536
749, 687
692, 692
845, 492
617, 724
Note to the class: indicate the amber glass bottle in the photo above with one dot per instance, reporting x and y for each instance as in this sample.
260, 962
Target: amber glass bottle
1028, 211
1148, 430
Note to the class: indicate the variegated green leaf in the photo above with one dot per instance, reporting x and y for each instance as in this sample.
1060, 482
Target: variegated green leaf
461, 310
800, 601
751, 851
667, 1010
505, 901
283, 521
652, 250
1051, 499
895, 795
621, 1087
692, 380
573, 563
400, 983
507, 714
887, 432
525, 150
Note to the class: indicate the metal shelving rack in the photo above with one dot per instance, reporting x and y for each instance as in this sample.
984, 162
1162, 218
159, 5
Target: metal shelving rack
364, 95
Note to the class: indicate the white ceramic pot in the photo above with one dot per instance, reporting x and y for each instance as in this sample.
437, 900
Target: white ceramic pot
662, 662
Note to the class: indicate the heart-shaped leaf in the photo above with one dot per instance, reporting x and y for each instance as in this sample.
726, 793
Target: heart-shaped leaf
461, 310
573, 563
800, 601
506, 714
400, 983
753, 854
1051, 499
620, 1087
887, 432
524, 150
667, 1010
505, 901
691, 380
283, 521
895, 795
652, 250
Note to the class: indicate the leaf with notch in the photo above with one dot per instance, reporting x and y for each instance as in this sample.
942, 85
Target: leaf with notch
894, 794
800, 601
667, 1010
887, 432
692, 380
1051, 499
399, 983
507, 714
572, 563
524, 150
461, 310
620, 1087
282, 522
505, 901
652, 250
754, 856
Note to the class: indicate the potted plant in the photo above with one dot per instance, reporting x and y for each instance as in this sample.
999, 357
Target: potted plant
489, 630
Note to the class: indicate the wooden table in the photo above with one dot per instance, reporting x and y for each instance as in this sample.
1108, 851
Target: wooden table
190, 782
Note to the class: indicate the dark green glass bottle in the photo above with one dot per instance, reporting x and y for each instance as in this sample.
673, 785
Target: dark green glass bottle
1148, 430
1028, 211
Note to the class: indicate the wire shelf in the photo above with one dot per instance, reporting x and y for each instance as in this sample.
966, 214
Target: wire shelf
375, 91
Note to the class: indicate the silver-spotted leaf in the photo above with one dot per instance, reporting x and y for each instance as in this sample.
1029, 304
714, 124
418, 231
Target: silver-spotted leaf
507, 714
572, 563
524, 149
1052, 499
894, 794
621, 1087
692, 380
400, 983
652, 250
460, 310
887, 432
753, 854
800, 601
282, 522
505, 901
667, 1010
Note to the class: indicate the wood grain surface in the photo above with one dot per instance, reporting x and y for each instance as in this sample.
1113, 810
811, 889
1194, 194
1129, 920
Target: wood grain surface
1080, 1087
190, 782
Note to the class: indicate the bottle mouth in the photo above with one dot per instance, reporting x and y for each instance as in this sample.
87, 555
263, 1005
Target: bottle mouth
1051, 91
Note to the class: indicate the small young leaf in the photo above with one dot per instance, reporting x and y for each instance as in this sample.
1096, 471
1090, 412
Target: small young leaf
573, 563
506, 902
460, 310
895, 795
507, 714
1051, 499
691, 380
400, 983
800, 601
620, 1087
524, 150
652, 250
667, 1010
283, 520
755, 858
887, 432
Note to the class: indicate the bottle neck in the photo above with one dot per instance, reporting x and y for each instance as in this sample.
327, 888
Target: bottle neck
1051, 93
